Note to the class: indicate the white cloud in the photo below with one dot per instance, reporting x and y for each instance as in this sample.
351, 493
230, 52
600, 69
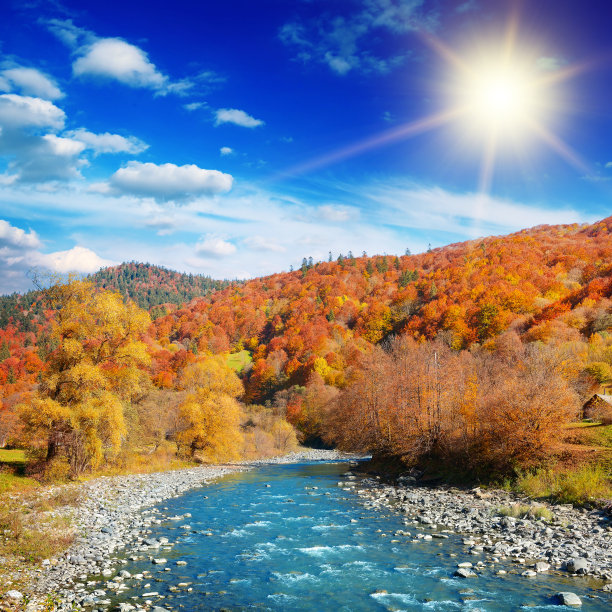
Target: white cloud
76, 259
20, 253
108, 143
238, 117
70, 34
466, 7
31, 82
214, 246
168, 181
387, 216
33, 155
260, 243
341, 41
609, 164
15, 237
337, 214
63, 146
24, 111
550, 64
472, 214
193, 106
226, 151
114, 58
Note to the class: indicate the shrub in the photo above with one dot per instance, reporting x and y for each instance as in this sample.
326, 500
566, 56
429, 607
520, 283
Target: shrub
587, 483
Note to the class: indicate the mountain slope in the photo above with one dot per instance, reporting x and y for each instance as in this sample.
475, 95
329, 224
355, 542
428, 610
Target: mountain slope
147, 285
546, 282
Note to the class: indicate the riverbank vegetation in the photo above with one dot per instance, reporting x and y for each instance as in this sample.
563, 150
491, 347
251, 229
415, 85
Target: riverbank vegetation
472, 361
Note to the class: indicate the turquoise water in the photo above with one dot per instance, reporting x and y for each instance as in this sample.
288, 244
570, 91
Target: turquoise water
291, 547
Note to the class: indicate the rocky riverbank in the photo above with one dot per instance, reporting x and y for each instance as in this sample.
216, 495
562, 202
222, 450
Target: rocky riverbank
310, 454
113, 517
542, 538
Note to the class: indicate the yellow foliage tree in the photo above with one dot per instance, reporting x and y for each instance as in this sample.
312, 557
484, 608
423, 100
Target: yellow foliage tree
210, 414
97, 366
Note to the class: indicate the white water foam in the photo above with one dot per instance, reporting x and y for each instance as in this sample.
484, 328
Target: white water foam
320, 551
292, 578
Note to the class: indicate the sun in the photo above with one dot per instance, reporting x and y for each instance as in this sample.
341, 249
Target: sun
500, 96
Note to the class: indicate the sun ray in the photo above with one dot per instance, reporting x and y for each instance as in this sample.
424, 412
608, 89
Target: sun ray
445, 52
487, 165
511, 35
565, 73
560, 147
406, 130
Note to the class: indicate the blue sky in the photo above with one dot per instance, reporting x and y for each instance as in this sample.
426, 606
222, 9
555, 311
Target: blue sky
235, 138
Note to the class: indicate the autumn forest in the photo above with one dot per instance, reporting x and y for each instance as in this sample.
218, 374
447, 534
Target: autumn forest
476, 356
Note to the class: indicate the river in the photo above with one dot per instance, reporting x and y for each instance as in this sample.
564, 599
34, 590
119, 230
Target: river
286, 537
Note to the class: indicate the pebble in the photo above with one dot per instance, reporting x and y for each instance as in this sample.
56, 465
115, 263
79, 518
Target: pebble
575, 539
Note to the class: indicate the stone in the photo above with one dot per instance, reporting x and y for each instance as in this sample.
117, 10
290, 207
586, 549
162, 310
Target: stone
541, 566
568, 599
577, 566
465, 564
181, 562
160, 561
14, 595
529, 574
464, 572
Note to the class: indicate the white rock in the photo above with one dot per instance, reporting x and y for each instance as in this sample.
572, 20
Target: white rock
569, 599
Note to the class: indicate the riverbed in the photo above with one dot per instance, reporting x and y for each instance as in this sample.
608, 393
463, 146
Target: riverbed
287, 537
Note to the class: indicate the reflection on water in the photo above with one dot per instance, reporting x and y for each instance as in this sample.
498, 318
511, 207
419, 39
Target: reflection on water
291, 547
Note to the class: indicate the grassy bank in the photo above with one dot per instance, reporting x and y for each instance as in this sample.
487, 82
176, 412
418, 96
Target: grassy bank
36, 515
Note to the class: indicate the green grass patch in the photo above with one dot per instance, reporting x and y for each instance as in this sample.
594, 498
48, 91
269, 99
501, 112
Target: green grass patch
12, 469
10, 482
12, 456
525, 511
239, 361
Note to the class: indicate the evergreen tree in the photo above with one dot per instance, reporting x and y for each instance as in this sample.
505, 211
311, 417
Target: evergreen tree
5, 352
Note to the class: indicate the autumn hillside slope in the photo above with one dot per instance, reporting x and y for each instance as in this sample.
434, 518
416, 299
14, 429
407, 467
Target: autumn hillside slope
548, 283
477, 355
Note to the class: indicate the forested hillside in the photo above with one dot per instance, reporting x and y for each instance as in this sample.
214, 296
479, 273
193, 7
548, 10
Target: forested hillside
478, 352
150, 287
548, 284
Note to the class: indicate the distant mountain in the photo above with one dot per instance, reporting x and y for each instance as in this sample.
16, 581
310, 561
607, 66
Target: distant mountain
148, 285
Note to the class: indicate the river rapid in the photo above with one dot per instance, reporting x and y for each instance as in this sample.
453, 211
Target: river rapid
287, 537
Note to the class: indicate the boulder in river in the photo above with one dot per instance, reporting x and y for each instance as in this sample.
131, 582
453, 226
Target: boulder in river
568, 599
464, 572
